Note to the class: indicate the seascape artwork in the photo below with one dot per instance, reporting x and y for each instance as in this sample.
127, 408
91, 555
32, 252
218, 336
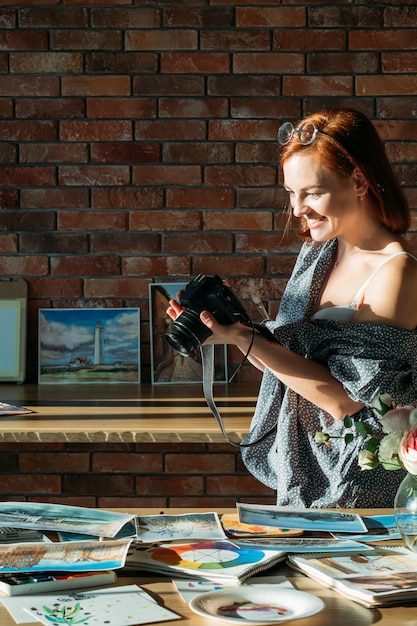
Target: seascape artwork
89, 345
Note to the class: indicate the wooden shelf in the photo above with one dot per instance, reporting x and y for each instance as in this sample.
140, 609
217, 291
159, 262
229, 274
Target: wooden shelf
125, 413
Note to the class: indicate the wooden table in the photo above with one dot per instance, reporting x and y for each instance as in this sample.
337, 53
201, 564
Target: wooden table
125, 413
338, 611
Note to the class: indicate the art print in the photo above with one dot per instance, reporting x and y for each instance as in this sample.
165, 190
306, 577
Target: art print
168, 366
89, 346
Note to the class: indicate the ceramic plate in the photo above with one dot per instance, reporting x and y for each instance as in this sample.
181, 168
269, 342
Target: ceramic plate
260, 604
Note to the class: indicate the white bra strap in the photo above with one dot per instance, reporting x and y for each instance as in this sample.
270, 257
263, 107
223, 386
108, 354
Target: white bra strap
368, 280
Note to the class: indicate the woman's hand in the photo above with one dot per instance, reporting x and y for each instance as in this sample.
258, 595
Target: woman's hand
174, 309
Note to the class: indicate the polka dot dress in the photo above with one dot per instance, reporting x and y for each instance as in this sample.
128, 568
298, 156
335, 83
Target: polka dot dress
368, 359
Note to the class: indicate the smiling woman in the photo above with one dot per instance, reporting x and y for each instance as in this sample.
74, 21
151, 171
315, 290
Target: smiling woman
340, 339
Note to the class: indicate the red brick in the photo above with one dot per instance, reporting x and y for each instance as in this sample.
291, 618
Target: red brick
52, 153
123, 462
200, 198
127, 17
92, 220
394, 84
170, 130
343, 63
196, 16
25, 40
30, 484
165, 220
166, 175
52, 242
97, 484
79, 265
53, 462
115, 287
195, 63
46, 62
241, 486
26, 86
122, 108
237, 220
6, 107
127, 198
400, 62
193, 107
272, 63
381, 39
95, 85
27, 176
226, 265
208, 243
49, 108
309, 39
120, 62
8, 244
345, 16
401, 15
235, 40
90, 39
129, 243
240, 175
172, 485
129, 152
242, 130
54, 198
94, 175
95, 131
214, 152
266, 243
169, 85
53, 17
155, 266
244, 86
277, 17
28, 130
172, 39
317, 85
23, 266
49, 287
8, 153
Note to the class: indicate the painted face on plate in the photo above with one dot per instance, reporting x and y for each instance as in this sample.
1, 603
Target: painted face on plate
330, 205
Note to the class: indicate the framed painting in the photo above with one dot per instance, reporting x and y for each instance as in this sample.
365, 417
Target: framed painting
13, 321
167, 365
89, 345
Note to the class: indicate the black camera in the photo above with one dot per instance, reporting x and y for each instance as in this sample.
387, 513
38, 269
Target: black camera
204, 292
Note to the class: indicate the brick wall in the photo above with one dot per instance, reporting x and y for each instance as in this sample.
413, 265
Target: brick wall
138, 145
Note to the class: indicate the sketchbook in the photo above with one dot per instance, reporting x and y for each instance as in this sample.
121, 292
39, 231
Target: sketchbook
380, 577
211, 560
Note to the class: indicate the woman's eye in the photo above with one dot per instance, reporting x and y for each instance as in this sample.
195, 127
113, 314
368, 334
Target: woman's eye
314, 195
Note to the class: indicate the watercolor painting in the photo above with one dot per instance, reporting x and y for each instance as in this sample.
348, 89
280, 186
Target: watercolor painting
168, 366
89, 346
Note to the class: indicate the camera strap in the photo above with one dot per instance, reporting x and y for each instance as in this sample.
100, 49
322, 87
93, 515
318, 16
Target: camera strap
207, 359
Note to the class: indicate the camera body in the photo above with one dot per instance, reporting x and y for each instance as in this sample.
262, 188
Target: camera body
204, 292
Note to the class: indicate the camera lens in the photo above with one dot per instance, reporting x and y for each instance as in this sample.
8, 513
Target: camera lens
187, 333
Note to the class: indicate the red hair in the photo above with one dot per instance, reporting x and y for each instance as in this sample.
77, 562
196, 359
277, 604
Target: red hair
346, 140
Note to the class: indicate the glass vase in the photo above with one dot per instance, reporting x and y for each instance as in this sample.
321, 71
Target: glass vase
405, 511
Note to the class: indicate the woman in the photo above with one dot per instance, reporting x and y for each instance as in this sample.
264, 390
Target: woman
346, 327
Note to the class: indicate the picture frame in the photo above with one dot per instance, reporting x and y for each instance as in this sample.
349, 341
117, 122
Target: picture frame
13, 330
168, 366
89, 345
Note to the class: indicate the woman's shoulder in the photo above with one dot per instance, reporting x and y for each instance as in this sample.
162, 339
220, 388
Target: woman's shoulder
391, 291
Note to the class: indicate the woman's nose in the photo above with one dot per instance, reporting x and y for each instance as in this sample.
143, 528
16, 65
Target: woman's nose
299, 206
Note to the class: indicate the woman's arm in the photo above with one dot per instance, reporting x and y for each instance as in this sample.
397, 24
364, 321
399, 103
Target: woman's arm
309, 379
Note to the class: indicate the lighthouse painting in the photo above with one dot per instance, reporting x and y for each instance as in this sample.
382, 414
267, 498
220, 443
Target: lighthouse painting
89, 345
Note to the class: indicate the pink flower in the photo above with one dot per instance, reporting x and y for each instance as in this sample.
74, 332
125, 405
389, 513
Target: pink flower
400, 419
408, 450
